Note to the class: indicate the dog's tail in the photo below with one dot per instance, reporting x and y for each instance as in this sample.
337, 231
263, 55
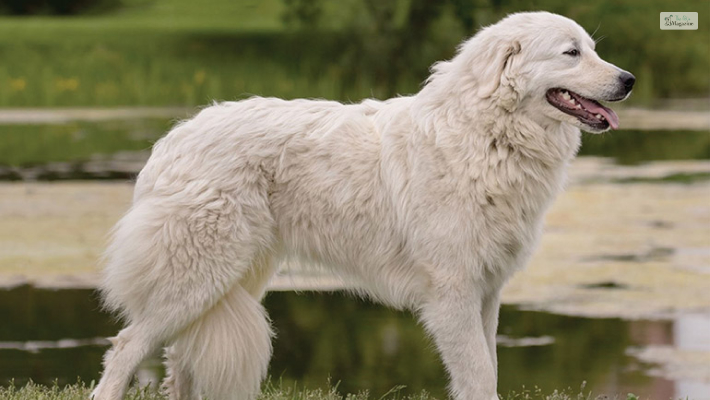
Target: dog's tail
225, 353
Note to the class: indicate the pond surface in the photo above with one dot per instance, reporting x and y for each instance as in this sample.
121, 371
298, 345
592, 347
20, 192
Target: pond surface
49, 335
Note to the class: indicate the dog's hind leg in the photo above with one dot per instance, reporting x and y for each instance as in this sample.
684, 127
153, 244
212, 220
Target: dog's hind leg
179, 382
130, 347
224, 354
169, 265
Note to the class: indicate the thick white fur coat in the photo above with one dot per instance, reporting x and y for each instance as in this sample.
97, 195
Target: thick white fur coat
428, 202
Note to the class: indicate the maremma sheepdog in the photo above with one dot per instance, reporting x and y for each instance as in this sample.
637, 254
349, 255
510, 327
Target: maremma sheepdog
427, 202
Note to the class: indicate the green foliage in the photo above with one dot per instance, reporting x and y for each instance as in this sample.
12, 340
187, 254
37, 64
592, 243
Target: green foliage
396, 35
393, 42
303, 13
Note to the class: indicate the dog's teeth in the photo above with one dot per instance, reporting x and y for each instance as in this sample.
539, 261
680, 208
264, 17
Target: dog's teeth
565, 95
599, 116
578, 107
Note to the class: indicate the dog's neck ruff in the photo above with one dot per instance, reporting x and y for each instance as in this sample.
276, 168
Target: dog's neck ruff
462, 122
516, 155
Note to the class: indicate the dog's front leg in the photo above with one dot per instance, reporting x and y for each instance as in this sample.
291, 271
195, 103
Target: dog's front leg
490, 312
454, 317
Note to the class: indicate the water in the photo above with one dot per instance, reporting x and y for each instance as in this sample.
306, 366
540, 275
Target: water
50, 335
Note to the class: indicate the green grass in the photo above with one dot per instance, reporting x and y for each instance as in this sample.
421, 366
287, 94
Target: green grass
278, 392
152, 69
175, 52
146, 16
166, 68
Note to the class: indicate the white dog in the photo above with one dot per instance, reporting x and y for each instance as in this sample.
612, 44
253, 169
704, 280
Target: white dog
428, 202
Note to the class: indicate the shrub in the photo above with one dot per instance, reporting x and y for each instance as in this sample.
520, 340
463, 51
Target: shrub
57, 7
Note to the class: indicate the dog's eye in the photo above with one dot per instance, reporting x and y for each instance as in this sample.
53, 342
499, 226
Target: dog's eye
573, 52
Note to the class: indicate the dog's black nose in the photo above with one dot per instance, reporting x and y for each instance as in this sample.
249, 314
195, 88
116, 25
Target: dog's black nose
628, 80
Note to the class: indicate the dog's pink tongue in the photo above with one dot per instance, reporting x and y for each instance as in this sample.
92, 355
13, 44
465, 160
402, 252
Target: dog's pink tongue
596, 108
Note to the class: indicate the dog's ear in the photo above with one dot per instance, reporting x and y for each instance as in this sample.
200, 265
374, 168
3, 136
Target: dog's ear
495, 67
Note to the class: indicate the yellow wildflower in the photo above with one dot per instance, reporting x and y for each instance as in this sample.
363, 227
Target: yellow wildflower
200, 77
18, 85
69, 84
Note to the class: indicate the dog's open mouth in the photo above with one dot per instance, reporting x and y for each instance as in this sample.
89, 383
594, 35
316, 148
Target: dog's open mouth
587, 111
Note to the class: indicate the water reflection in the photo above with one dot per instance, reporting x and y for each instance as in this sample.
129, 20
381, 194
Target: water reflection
637, 146
365, 346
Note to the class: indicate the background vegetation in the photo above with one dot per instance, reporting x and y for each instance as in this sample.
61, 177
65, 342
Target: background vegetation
183, 52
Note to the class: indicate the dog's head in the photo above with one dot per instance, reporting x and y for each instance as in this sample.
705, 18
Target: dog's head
546, 65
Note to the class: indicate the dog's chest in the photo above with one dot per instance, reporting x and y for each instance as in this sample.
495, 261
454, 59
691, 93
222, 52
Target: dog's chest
512, 227
508, 215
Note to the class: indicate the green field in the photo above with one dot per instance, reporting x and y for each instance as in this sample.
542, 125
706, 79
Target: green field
182, 52
279, 392
148, 53
168, 53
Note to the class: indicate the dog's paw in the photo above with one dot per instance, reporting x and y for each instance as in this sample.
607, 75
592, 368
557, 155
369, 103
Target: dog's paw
101, 392
95, 394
